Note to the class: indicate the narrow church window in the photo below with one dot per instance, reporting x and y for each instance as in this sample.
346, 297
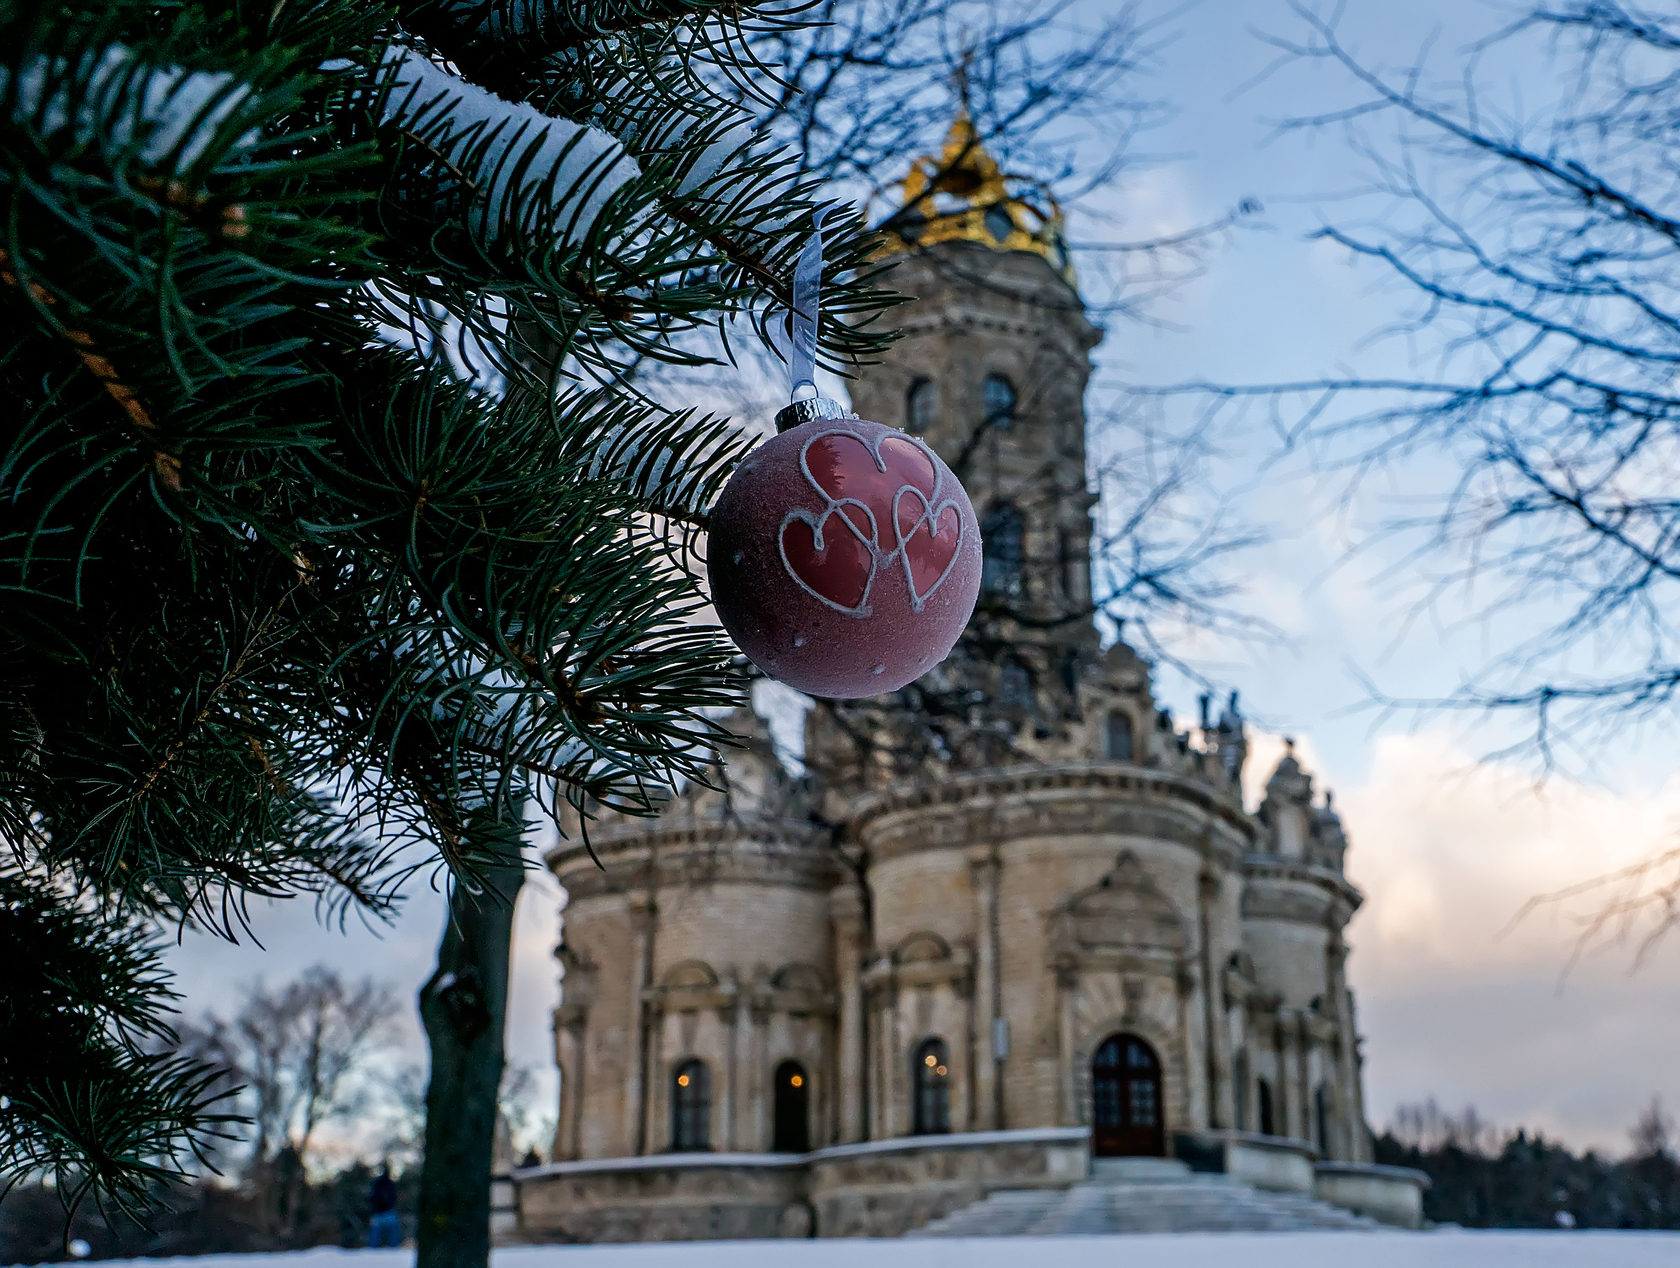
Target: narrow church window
930, 1076
1002, 541
999, 223
1000, 402
1268, 1121
1239, 1080
921, 404
691, 1107
1017, 685
792, 1129
1119, 736
1321, 1120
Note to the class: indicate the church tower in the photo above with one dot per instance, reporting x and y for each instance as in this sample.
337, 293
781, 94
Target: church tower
991, 371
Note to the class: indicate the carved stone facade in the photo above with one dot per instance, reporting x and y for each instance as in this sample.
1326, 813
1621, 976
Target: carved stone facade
977, 883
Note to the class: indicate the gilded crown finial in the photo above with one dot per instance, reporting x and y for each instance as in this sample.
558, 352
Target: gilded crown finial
962, 195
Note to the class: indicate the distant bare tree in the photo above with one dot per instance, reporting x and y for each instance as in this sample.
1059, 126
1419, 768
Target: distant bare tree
1538, 441
1543, 252
302, 1052
1653, 1135
400, 1116
529, 1128
1426, 1126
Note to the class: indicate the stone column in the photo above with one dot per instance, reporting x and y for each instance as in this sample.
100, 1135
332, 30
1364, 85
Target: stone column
1067, 1112
964, 1049
1215, 1053
643, 918
1303, 1064
1363, 1149
568, 1055
1191, 1107
1350, 1100
986, 1103
891, 1062
850, 1081
1283, 1107
729, 1009
755, 1087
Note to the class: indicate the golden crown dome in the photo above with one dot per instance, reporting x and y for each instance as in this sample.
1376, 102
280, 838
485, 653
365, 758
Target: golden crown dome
963, 196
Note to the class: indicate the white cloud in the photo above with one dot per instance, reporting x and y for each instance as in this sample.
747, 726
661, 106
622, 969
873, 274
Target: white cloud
1459, 1002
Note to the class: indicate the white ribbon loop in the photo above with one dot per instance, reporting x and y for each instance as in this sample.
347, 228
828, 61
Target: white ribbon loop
807, 282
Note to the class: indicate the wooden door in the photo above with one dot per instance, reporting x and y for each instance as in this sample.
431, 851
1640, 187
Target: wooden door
1126, 1117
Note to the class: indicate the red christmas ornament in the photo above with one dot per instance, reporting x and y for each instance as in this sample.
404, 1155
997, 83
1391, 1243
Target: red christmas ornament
844, 556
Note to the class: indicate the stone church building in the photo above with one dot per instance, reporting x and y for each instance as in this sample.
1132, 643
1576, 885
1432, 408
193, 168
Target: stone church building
1006, 924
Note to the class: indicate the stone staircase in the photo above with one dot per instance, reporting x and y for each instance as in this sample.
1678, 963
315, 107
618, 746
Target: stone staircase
1142, 1195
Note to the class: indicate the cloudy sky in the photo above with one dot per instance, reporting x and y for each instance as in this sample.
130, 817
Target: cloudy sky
1457, 1002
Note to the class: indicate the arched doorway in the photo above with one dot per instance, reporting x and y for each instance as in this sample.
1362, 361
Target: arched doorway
1126, 1099
792, 1130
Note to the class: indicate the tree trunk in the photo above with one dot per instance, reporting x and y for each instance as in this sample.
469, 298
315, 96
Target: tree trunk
464, 1009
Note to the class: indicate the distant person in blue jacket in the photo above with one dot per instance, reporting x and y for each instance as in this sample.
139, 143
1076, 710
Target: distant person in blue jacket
385, 1228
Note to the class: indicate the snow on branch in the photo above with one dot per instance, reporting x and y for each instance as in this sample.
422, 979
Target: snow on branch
530, 173
172, 117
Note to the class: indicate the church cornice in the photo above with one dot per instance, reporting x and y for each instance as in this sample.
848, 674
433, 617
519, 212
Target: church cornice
686, 854
952, 317
1284, 889
630, 836
1058, 799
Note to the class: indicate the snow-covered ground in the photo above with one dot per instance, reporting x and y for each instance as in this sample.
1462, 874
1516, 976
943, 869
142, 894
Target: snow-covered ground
1185, 1250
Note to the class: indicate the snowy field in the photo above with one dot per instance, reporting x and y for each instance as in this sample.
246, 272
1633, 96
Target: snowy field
1184, 1250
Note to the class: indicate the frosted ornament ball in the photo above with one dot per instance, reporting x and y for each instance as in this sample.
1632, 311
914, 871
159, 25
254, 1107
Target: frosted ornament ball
844, 556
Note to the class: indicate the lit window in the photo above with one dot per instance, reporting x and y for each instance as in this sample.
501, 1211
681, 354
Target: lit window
791, 1125
691, 1108
930, 1109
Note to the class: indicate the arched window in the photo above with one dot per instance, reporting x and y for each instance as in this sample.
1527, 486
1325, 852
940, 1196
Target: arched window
1002, 541
1239, 1080
691, 1107
921, 405
930, 1079
1119, 737
999, 397
1268, 1118
1321, 1120
792, 1129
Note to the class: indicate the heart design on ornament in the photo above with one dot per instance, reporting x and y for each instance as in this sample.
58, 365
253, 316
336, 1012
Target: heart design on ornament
927, 542
846, 470
835, 562
894, 481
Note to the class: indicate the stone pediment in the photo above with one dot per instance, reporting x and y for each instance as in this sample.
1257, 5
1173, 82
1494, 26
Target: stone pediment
690, 975
1126, 910
921, 948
